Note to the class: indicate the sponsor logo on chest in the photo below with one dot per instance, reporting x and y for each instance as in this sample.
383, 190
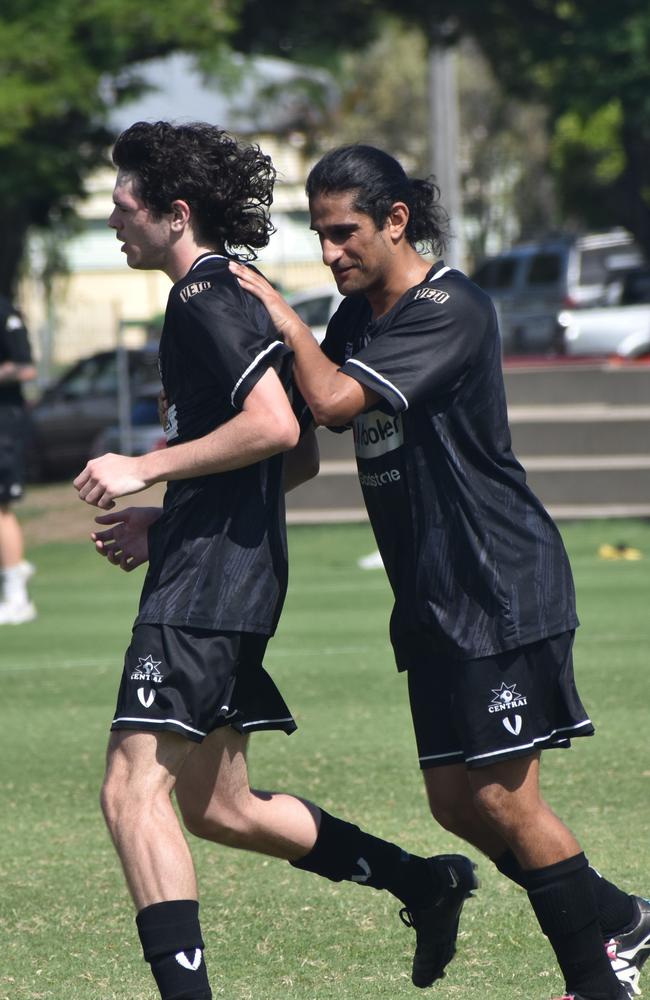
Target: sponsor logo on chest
377, 433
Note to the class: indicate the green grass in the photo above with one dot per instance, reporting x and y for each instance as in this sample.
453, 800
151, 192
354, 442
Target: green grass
274, 933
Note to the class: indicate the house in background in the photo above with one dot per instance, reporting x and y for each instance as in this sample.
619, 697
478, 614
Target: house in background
100, 301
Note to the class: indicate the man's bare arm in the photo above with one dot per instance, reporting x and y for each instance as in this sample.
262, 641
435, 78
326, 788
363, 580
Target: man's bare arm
265, 426
333, 397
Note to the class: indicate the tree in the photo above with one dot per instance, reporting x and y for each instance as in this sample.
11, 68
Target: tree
574, 57
588, 63
504, 145
63, 66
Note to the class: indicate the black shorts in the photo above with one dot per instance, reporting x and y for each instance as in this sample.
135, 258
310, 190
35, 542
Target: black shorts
192, 681
482, 711
12, 453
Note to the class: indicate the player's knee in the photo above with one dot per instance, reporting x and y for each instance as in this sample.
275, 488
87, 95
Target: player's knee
225, 825
495, 804
449, 815
125, 802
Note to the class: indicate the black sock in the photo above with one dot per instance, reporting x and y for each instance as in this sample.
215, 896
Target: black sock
616, 909
563, 898
172, 944
510, 867
343, 852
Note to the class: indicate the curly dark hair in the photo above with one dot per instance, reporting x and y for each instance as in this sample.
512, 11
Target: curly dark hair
227, 184
378, 180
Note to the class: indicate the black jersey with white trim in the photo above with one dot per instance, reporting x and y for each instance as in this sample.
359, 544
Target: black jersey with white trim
471, 553
14, 346
218, 557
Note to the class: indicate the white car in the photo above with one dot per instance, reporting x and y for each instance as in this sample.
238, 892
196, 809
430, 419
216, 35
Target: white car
315, 306
620, 327
532, 283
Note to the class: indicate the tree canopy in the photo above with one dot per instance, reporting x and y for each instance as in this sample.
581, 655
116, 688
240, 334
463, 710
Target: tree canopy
65, 65
585, 61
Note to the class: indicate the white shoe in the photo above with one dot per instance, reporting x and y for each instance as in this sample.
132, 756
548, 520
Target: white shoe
373, 561
27, 570
16, 612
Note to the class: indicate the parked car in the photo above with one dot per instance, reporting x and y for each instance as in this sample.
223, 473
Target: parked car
315, 306
144, 432
619, 327
532, 283
70, 414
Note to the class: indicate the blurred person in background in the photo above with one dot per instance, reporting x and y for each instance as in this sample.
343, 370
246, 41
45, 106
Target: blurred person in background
16, 367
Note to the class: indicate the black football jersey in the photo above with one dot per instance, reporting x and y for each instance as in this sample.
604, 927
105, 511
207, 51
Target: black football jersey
471, 554
14, 346
218, 555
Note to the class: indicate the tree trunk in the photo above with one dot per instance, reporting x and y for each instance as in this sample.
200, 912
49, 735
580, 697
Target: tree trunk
631, 186
13, 240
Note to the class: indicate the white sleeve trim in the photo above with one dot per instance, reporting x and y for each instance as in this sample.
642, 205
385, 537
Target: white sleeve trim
252, 365
380, 378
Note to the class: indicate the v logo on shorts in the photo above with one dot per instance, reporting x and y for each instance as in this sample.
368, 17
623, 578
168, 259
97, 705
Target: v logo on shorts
146, 699
514, 728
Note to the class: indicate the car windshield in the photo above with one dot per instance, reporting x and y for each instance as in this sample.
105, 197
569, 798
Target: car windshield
545, 269
599, 264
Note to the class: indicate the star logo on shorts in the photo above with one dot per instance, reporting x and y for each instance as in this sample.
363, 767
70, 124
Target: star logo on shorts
505, 698
147, 670
505, 695
148, 665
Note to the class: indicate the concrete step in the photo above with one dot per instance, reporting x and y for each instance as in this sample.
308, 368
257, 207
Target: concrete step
620, 481
627, 384
581, 431
587, 480
588, 428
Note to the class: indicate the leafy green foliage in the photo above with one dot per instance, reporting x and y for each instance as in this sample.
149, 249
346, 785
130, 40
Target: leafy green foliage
63, 66
572, 58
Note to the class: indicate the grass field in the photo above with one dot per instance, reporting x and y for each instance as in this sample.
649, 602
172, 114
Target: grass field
274, 933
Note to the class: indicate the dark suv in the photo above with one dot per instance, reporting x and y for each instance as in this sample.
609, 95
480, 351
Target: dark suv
85, 400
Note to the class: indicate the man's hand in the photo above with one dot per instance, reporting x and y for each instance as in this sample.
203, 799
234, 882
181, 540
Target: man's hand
108, 477
125, 543
284, 319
